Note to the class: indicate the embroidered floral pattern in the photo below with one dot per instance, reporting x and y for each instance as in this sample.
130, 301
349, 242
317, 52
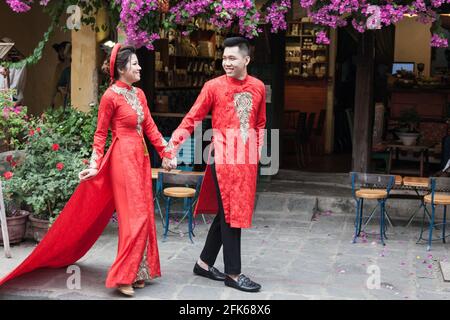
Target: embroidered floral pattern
164, 142
243, 103
143, 273
169, 146
93, 161
133, 100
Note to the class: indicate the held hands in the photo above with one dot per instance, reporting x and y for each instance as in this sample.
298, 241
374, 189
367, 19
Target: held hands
169, 164
87, 173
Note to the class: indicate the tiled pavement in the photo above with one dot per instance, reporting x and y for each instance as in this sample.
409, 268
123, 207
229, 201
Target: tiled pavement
290, 255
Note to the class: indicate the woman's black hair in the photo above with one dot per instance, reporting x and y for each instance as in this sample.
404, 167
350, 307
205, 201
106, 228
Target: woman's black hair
122, 59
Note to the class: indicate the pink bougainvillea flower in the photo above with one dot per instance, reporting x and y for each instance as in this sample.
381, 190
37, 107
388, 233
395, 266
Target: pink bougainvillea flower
19, 5
438, 41
322, 38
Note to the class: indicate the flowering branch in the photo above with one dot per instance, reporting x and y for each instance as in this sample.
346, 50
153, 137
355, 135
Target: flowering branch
368, 15
141, 19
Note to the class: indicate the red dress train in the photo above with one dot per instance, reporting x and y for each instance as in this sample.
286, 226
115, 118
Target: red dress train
123, 183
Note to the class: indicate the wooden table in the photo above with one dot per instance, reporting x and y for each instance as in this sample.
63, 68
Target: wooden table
422, 149
173, 115
155, 172
416, 182
193, 173
405, 184
418, 185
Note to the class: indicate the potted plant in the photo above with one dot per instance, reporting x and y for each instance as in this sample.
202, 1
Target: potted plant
13, 127
55, 153
16, 217
56, 147
407, 132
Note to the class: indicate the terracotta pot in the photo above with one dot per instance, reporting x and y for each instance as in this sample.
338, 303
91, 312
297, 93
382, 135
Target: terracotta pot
17, 227
39, 228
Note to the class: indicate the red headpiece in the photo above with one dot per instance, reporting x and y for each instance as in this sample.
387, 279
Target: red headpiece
112, 61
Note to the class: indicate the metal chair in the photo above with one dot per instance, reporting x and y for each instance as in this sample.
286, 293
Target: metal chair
440, 195
317, 133
306, 137
370, 187
181, 188
296, 135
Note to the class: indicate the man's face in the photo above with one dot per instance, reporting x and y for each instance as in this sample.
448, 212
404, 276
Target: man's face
235, 62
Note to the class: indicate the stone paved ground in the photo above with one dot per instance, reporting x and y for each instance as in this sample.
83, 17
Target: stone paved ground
290, 255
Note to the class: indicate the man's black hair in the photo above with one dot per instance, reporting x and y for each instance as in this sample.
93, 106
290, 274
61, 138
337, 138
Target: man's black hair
240, 42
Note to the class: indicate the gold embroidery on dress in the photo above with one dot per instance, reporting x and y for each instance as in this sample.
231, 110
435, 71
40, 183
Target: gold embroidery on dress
93, 161
243, 103
169, 146
133, 100
143, 273
164, 142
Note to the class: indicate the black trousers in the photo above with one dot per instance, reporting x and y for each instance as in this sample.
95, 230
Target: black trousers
220, 233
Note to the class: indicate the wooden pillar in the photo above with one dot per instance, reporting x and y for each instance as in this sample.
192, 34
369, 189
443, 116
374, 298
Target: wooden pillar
362, 128
329, 123
84, 73
147, 84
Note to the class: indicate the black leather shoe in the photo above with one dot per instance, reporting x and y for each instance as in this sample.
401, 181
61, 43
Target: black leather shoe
212, 273
243, 283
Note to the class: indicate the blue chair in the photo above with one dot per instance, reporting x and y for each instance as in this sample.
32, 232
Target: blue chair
371, 187
185, 161
439, 196
156, 196
184, 185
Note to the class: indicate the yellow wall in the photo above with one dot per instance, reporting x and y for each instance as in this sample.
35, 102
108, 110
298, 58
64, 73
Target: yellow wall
27, 29
412, 43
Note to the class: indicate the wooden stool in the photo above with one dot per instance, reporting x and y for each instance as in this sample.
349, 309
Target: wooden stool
157, 190
371, 194
437, 198
370, 187
180, 192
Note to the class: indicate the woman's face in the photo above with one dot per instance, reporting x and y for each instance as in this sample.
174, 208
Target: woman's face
132, 73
